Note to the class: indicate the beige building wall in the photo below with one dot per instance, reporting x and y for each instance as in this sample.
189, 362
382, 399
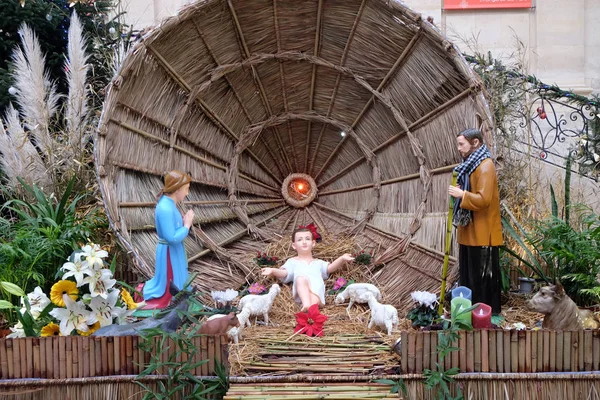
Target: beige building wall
561, 37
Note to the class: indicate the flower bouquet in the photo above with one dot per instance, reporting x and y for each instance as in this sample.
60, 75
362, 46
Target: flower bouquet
339, 285
362, 257
424, 313
82, 301
264, 259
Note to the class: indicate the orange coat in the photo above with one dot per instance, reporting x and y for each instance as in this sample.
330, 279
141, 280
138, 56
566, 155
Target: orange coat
485, 229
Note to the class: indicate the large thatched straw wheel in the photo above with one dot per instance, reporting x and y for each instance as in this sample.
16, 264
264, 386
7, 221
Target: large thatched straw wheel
285, 112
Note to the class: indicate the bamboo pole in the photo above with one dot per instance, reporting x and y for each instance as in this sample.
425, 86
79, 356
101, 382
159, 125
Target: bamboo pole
69, 357
493, 350
427, 350
412, 339
80, 359
580, 348
552, 361
499, 351
22, 357
9, 357
447, 247
54, 350
596, 340
506, 352
522, 349
87, 357
462, 353
419, 353
528, 351
485, 350
36, 358
204, 347
477, 350
514, 351
28, 356
470, 352
588, 351
540, 350
546, 351
560, 344
404, 341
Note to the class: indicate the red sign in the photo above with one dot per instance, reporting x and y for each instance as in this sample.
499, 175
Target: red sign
472, 4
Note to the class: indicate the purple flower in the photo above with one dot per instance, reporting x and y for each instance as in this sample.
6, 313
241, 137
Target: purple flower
339, 283
256, 288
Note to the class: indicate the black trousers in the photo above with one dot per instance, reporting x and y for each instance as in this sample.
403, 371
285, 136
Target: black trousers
480, 272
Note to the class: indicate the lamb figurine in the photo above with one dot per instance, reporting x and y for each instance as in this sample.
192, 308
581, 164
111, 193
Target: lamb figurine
382, 314
356, 293
259, 304
235, 333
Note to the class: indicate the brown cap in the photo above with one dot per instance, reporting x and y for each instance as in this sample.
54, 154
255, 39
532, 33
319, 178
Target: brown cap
174, 180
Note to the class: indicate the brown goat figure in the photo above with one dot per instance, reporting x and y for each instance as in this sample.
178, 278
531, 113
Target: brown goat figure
560, 312
219, 325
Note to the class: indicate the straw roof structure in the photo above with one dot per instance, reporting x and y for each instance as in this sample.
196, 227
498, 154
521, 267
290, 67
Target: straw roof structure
287, 112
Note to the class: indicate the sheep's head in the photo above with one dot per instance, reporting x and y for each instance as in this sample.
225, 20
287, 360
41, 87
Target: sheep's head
339, 299
275, 289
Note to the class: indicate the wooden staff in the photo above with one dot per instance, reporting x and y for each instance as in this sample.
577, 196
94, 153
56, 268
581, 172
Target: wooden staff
447, 250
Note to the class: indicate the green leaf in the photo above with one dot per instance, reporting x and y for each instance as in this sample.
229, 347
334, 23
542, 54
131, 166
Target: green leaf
12, 288
5, 304
553, 202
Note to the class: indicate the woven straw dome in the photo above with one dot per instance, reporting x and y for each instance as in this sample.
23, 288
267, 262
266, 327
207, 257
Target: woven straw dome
342, 113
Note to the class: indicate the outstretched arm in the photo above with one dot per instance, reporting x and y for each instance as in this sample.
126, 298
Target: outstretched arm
280, 273
339, 262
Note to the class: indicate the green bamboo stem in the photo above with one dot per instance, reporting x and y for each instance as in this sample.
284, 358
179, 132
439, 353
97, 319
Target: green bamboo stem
311, 396
303, 388
447, 249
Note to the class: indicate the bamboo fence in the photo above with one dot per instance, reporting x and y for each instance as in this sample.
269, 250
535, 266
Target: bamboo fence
505, 351
66, 357
517, 386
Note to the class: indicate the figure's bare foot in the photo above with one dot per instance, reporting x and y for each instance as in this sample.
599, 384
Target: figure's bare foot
304, 309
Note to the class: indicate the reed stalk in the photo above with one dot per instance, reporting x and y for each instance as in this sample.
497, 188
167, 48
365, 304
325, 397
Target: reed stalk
447, 248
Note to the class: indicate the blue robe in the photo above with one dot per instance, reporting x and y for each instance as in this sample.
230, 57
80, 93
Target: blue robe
171, 233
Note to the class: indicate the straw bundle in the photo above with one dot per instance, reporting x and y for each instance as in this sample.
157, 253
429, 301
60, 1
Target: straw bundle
359, 98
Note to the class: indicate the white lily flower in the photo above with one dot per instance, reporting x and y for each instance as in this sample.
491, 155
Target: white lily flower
424, 298
99, 282
37, 302
103, 309
93, 255
124, 316
77, 270
17, 331
74, 316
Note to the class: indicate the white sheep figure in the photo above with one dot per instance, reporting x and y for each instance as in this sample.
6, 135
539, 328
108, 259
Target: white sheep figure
257, 304
356, 293
382, 314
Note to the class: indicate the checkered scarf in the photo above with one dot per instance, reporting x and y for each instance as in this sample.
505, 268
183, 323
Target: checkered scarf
463, 217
